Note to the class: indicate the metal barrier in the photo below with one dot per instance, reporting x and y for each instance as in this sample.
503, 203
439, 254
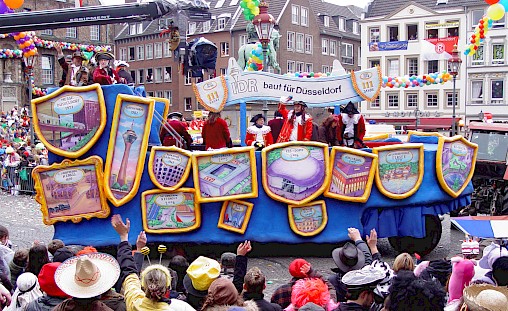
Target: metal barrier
17, 180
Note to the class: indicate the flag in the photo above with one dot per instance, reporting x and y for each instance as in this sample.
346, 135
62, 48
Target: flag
483, 226
438, 48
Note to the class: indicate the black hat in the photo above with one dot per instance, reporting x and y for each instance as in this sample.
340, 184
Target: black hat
177, 114
104, 55
62, 254
348, 258
78, 54
187, 283
256, 118
350, 109
299, 102
228, 260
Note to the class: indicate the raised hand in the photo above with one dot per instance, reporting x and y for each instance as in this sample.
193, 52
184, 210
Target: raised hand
120, 227
141, 241
354, 234
243, 248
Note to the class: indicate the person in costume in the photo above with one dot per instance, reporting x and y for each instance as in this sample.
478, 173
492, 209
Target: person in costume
175, 121
72, 69
351, 128
258, 135
125, 77
215, 133
104, 74
297, 123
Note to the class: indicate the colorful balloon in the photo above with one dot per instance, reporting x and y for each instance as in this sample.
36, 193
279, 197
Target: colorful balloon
491, 1
14, 4
496, 11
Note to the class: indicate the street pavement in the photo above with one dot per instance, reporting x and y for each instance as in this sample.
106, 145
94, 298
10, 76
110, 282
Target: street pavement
22, 216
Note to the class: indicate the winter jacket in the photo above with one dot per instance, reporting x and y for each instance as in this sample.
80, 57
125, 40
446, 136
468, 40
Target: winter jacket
216, 135
248, 305
351, 306
15, 271
73, 304
44, 303
262, 304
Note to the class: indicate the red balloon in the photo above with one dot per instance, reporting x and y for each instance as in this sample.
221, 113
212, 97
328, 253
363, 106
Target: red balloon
476, 47
473, 41
473, 36
482, 37
481, 21
491, 2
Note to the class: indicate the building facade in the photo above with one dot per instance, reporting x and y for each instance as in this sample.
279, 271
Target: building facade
408, 39
46, 71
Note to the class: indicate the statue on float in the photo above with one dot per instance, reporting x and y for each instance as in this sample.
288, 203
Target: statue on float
250, 55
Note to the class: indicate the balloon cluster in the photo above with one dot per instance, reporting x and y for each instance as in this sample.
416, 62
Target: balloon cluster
25, 43
8, 53
496, 11
250, 9
416, 81
37, 91
255, 62
308, 74
71, 46
8, 6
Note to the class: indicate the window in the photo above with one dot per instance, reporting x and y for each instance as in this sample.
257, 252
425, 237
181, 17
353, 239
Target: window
168, 95
141, 52
291, 41
356, 27
375, 104
393, 100
497, 54
325, 69
149, 75
393, 67
326, 21
333, 47
243, 40
478, 57
411, 100
166, 50
374, 34
432, 33
139, 28
150, 93
393, 33
71, 32
308, 44
132, 54
291, 66
299, 66
324, 46
95, 33
342, 24
309, 68
223, 71
159, 94
432, 100
349, 25
374, 62
477, 92
294, 14
224, 49
412, 32
158, 75
497, 91
221, 23
347, 54
476, 16
47, 64
449, 99
188, 79
162, 24
412, 66
499, 23
149, 51
304, 20
432, 66
48, 32
206, 26
168, 75
452, 31
299, 42
192, 28
123, 54
158, 50
133, 75
132, 29
141, 76
188, 103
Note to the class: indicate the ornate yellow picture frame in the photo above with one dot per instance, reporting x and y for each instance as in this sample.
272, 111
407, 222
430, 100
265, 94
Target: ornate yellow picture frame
70, 120
225, 174
376, 137
308, 219
71, 190
455, 163
353, 173
417, 133
235, 216
170, 212
128, 144
400, 169
169, 167
295, 172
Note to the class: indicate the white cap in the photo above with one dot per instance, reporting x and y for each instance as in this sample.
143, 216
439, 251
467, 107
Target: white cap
285, 99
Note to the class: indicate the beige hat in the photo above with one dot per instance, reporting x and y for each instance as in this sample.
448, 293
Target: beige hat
485, 297
9, 150
87, 276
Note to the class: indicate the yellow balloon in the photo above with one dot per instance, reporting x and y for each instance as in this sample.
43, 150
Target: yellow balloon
255, 11
251, 5
495, 11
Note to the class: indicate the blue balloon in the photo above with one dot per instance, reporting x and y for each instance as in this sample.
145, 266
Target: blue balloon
504, 3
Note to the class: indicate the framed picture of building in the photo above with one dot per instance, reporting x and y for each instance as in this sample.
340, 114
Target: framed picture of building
455, 163
308, 219
70, 120
71, 190
225, 174
128, 143
295, 172
235, 215
169, 167
170, 212
423, 137
399, 171
353, 174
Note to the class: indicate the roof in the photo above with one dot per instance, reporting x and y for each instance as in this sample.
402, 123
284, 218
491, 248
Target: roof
386, 7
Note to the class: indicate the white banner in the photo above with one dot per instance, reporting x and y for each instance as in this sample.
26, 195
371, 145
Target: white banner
242, 86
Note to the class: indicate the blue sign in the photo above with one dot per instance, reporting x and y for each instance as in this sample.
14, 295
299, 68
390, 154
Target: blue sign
388, 46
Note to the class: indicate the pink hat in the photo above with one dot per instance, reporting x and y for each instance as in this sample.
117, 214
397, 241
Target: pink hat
462, 274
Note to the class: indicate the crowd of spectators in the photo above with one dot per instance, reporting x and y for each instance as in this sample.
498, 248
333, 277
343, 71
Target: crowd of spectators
69, 277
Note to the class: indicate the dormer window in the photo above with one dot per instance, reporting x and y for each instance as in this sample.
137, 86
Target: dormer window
192, 28
342, 24
206, 26
326, 21
221, 23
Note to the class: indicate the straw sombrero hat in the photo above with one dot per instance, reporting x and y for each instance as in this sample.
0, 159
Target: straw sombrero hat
88, 275
485, 297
